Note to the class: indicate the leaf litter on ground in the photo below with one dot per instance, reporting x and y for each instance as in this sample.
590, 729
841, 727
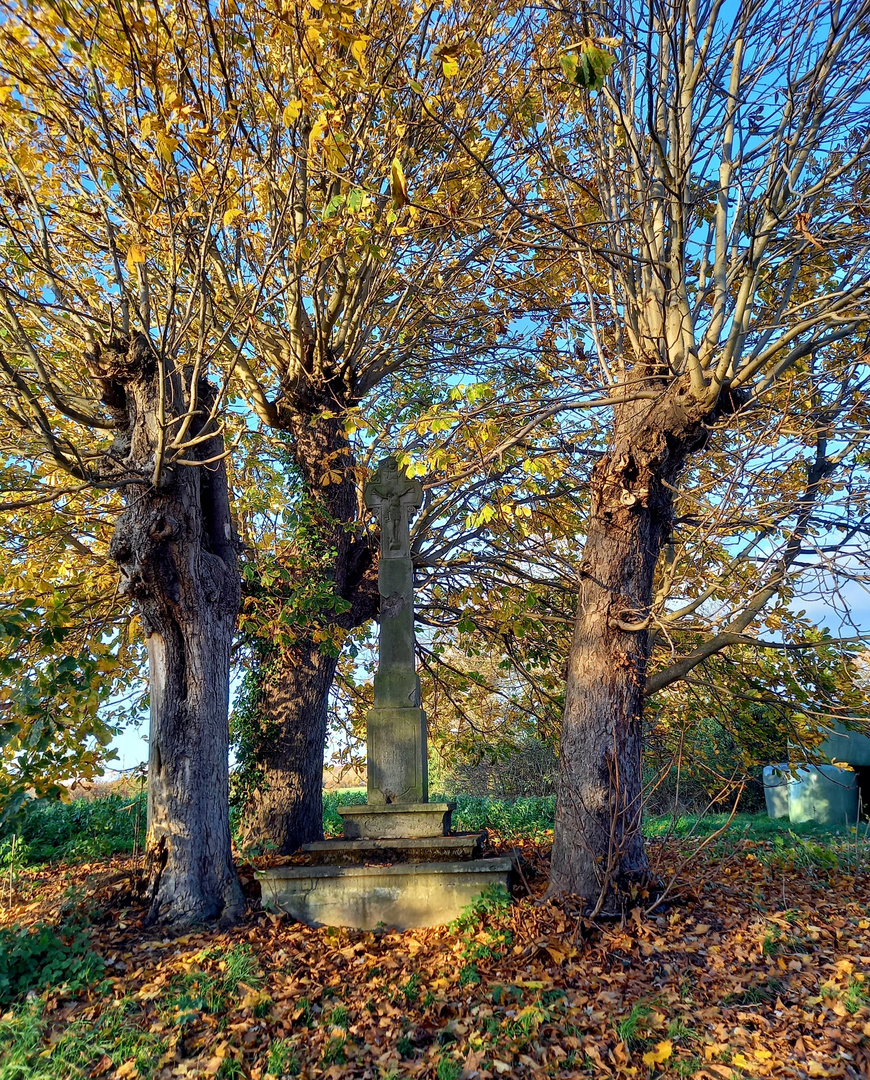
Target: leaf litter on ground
758, 967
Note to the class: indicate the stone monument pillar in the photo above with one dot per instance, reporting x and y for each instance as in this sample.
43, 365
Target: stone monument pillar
396, 726
397, 864
397, 768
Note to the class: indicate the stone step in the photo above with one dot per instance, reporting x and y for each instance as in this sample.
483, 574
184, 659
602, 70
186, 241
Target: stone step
364, 897
399, 849
391, 821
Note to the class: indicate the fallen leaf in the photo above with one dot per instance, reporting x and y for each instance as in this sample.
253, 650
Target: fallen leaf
660, 1053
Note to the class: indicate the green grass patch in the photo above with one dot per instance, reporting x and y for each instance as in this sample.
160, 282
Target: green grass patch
282, 1060
98, 828
204, 990
32, 1051
753, 826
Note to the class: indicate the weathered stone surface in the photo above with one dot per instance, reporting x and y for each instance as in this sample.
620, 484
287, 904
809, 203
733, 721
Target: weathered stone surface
404, 849
389, 821
396, 726
363, 897
396, 751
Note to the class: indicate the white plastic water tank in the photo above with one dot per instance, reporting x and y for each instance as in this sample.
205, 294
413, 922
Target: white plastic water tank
776, 780
825, 794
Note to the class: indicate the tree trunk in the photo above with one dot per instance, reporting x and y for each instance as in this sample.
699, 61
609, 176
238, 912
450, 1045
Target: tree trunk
598, 848
176, 549
289, 714
286, 807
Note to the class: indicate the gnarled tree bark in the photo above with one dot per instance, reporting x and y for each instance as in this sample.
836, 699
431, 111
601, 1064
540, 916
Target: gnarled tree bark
598, 850
176, 549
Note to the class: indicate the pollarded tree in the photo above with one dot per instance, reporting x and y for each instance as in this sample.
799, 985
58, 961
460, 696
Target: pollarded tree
719, 244
273, 195
103, 382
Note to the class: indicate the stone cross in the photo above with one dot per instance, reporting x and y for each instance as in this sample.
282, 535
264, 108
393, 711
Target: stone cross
395, 498
396, 726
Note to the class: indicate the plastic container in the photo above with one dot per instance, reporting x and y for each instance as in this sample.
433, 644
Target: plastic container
776, 780
825, 794
849, 746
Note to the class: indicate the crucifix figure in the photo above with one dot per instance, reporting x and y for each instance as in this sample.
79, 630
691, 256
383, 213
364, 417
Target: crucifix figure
394, 497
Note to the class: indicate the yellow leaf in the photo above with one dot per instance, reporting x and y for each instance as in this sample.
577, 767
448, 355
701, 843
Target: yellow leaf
662, 1052
129, 1068
135, 255
166, 146
231, 215
291, 112
450, 67
815, 1068
741, 1061
358, 51
317, 131
398, 184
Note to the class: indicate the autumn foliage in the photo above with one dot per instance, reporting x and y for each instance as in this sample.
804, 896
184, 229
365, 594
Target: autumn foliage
756, 967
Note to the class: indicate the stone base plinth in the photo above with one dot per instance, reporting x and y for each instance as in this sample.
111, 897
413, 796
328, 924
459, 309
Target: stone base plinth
421, 849
397, 767
390, 821
363, 897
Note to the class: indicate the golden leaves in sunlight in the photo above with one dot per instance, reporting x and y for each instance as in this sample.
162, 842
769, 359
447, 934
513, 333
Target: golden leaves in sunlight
135, 256
398, 184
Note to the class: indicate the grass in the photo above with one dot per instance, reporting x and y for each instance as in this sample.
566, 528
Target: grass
205, 991
282, 1060
97, 828
755, 826
73, 1050
629, 1028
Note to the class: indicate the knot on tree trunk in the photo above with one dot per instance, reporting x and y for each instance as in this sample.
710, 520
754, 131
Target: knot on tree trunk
123, 359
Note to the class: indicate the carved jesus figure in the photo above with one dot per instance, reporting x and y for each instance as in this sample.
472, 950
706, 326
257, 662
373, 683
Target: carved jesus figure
394, 497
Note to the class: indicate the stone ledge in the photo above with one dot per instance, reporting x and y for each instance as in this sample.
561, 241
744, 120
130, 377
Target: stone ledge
394, 821
363, 897
402, 849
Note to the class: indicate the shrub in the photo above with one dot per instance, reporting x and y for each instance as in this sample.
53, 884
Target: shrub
512, 817
81, 829
528, 767
38, 957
